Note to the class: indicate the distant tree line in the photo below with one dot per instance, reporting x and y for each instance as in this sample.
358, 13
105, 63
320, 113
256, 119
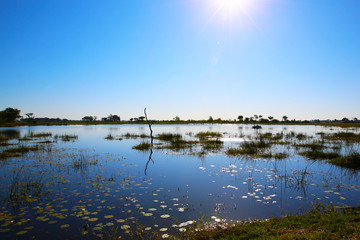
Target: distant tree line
110, 118
10, 115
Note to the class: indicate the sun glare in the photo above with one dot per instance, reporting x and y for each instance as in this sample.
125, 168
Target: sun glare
232, 11
230, 4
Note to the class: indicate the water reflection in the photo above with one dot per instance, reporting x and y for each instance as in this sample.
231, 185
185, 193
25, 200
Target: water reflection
10, 133
112, 186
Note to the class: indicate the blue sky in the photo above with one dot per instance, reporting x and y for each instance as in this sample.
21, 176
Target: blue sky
186, 58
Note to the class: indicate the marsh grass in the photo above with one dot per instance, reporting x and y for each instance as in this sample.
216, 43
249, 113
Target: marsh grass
82, 162
280, 155
179, 144
207, 135
351, 161
320, 223
215, 144
39, 135
5, 144
25, 186
342, 136
144, 146
66, 137
271, 137
249, 148
134, 136
24, 139
109, 137
18, 151
169, 137
313, 146
318, 155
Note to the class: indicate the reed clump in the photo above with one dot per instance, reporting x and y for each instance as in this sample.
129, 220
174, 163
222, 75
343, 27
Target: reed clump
66, 137
142, 146
169, 137
249, 148
343, 136
318, 155
207, 135
348, 161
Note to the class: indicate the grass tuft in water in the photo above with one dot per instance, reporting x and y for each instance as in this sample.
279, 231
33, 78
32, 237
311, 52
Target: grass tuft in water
249, 148
343, 136
351, 161
319, 155
169, 137
39, 135
144, 146
66, 137
206, 135
82, 162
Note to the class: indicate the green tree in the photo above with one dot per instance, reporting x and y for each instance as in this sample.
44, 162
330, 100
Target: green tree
176, 119
210, 119
240, 118
114, 118
88, 118
10, 115
285, 118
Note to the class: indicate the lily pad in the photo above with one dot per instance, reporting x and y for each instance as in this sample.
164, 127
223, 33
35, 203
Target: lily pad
65, 226
125, 227
21, 232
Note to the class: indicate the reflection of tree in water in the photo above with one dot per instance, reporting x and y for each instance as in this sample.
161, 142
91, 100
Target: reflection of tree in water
151, 142
10, 134
150, 159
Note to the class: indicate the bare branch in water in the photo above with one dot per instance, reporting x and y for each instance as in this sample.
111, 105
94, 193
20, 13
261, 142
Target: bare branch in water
151, 131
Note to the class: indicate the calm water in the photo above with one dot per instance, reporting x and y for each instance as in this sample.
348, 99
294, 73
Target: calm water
117, 188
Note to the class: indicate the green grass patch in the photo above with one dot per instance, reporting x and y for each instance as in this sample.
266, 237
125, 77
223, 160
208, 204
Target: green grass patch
275, 155
313, 146
249, 148
109, 137
17, 151
319, 155
66, 137
206, 135
40, 135
134, 136
169, 137
179, 144
351, 161
343, 136
142, 146
329, 223
212, 144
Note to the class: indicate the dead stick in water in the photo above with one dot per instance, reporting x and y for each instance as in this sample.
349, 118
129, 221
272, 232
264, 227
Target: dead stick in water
151, 131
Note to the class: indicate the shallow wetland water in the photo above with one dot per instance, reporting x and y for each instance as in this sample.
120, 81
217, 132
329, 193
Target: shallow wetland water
88, 182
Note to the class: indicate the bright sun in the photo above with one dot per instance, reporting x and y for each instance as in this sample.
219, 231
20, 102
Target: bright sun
231, 10
230, 4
